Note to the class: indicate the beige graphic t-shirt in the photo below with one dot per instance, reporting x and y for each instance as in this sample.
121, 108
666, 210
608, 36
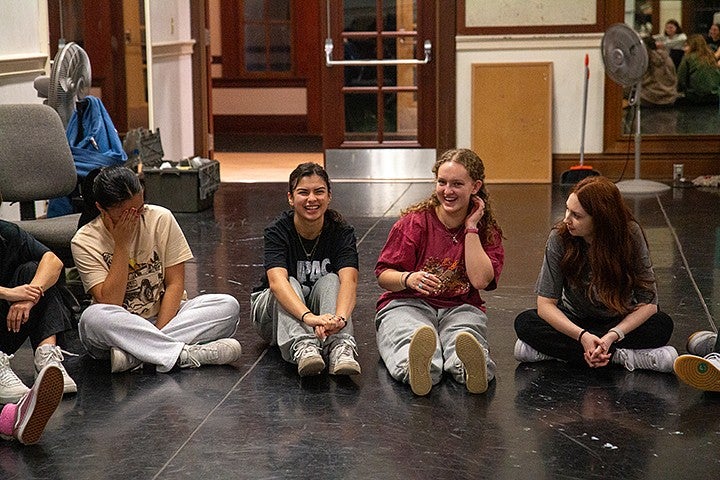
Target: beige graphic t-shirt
158, 244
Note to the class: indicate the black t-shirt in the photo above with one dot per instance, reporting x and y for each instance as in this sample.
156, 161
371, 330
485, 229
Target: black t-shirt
16, 247
334, 249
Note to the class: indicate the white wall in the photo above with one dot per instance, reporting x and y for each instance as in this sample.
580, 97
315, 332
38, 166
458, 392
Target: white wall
172, 95
567, 54
24, 52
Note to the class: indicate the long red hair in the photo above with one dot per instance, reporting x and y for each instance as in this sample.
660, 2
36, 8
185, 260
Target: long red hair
610, 255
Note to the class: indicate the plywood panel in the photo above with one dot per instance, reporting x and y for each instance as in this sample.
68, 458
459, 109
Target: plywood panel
512, 121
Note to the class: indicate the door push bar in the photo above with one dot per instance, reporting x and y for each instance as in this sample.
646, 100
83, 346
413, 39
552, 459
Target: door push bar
409, 61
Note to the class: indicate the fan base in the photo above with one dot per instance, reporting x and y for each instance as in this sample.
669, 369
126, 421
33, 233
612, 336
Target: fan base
641, 186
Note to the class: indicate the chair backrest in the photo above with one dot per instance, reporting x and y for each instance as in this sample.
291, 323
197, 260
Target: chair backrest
35, 158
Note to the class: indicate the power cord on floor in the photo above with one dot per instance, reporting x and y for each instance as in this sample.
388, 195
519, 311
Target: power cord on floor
629, 142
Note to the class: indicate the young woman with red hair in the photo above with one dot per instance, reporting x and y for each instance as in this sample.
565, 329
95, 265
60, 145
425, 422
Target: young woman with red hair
597, 296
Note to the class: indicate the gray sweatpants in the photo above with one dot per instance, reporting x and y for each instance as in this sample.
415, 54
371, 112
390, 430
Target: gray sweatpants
398, 321
200, 320
276, 326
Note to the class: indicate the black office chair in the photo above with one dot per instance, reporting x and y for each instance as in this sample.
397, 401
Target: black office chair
36, 165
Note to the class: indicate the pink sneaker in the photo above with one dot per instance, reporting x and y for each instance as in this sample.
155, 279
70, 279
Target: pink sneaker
37, 406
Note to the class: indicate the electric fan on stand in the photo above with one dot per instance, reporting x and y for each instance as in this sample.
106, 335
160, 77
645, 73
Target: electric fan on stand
69, 80
626, 61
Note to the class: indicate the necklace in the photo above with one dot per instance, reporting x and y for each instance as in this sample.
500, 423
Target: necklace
458, 230
309, 255
453, 235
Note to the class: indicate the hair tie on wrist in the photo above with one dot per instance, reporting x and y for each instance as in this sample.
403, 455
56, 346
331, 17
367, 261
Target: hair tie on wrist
404, 279
620, 334
302, 319
581, 335
471, 230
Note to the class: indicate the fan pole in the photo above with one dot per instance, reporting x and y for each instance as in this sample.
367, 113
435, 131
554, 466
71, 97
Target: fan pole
638, 185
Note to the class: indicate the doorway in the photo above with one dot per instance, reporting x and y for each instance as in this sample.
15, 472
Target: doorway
380, 76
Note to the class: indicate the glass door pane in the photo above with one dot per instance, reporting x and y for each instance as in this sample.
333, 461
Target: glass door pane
380, 100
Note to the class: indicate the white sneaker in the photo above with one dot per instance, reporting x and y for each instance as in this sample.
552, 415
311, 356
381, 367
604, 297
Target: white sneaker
342, 358
657, 359
11, 388
53, 355
701, 343
702, 373
121, 361
37, 406
218, 352
308, 358
525, 353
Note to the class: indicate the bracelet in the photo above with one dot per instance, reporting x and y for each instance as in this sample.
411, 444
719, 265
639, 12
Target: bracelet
618, 332
404, 279
471, 230
302, 319
581, 334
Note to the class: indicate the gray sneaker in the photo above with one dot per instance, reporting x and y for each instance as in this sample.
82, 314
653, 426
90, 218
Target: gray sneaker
525, 353
308, 358
657, 359
11, 388
53, 355
701, 343
342, 358
218, 352
121, 361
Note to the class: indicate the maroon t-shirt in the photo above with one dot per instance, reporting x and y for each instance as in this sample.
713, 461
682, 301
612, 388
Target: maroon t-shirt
420, 242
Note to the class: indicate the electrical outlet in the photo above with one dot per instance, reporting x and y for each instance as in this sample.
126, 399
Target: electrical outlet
678, 171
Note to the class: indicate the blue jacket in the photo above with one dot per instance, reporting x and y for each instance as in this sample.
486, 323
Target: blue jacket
98, 146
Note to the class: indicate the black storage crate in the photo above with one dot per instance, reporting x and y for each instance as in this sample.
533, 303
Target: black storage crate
183, 189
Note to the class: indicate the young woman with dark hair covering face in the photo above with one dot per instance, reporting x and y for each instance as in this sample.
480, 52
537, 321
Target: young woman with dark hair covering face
131, 259
597, 296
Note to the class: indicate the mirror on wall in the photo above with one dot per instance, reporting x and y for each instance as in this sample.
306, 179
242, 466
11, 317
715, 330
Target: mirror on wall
669, 68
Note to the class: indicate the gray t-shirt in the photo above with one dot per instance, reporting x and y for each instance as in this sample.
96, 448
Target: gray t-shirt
574, 301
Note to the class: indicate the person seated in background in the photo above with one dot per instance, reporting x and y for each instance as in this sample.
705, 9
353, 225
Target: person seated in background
713, 37
32, 306
699, 74
597, 302
131, 259
26, 419
659, 83
700, 368
673, 40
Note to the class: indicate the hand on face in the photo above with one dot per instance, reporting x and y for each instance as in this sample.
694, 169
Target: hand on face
124, 227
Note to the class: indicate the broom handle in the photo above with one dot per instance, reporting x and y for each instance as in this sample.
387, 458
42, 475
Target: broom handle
584, 112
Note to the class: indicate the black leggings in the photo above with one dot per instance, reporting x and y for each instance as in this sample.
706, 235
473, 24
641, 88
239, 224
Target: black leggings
537, 333
48, 317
